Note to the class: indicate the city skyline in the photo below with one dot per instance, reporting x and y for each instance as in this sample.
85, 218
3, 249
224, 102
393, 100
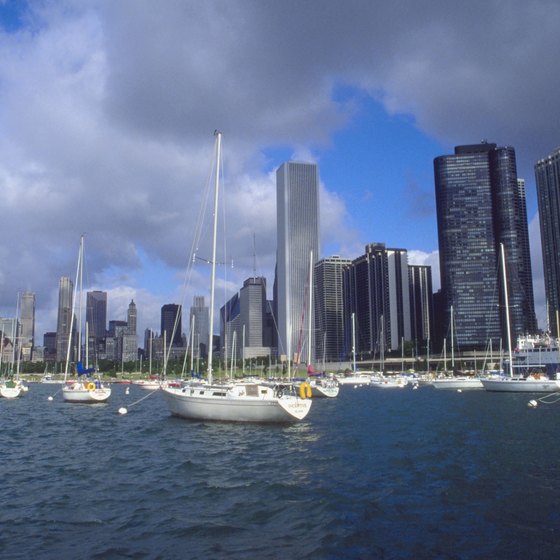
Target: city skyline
99, 136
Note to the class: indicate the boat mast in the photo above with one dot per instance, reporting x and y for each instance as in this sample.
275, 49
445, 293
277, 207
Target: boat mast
506, 302
353, 343
74, 296
218, 136
310, 321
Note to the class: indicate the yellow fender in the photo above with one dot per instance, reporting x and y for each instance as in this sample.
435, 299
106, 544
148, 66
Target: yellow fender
90, 386
305, 391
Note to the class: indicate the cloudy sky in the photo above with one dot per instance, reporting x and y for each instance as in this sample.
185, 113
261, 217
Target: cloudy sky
107, 113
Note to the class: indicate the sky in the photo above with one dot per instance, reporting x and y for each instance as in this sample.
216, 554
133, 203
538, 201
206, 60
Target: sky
108, 109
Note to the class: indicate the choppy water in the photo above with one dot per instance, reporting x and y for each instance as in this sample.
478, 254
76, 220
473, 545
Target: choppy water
372, 474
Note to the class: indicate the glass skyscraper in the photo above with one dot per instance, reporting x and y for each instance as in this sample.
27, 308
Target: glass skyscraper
329, 309
64, 319
377, 294
547, 173
297, 207
480, 205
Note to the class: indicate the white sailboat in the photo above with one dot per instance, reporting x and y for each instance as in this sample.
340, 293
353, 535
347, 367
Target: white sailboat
85, 390
535, 383
232, 402
456, 382
13, 387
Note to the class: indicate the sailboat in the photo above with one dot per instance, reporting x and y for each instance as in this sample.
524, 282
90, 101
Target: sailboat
13, 387
456, 382
533, 383
233, 401
354, 377
84, 390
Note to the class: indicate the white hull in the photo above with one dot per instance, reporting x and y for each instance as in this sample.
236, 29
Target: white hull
512, 385
238, 403
458, 383
11, 392
386, 383
79, 393
148, 385
319, 390
354, 380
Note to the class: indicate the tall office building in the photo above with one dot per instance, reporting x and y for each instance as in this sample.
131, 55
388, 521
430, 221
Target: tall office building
297, 207
421, 307
132, 318
96, 314
377, 296
547, 173
171, 324
481, 205
27, 319
64, 318
329, 309
130, 338
199, 325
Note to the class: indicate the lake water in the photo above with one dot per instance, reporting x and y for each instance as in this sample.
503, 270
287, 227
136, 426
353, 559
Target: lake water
375, 473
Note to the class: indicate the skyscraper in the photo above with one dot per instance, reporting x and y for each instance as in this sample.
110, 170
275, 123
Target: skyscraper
421, 306
171, 324
64, 319
481, 205
200, 321
27, 318
297, 207
547, 173
329, 309
376, 293
96, 314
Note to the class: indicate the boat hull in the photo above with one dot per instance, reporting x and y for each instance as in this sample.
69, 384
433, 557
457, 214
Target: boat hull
77, 393
520, 385
220, 404
458, 384
11, 392
319, 391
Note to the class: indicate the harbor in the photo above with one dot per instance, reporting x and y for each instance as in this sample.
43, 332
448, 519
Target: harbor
370, 474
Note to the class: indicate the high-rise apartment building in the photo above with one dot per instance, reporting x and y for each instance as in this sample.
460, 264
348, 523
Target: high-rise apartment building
171, 324
96, 314
297, 207
547, 173
481, 205
377, 301
64, 318
329, 309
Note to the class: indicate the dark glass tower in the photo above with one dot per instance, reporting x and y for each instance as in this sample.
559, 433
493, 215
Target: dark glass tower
547, 172
480, 205
171, 324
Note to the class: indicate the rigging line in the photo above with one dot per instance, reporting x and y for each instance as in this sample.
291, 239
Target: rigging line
197, 236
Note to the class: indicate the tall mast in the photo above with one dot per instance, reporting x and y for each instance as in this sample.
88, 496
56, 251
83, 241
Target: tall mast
506, 302
310, 321
218, 136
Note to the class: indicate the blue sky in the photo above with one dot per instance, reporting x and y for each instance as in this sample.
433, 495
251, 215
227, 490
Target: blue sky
107, 111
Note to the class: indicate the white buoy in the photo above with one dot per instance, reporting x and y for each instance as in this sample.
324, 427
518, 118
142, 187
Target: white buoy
415, 386
123, 410
355, 386
50, 398
127, 391
532, 403
459, 390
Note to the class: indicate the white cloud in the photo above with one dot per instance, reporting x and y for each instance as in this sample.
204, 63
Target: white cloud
107, 111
